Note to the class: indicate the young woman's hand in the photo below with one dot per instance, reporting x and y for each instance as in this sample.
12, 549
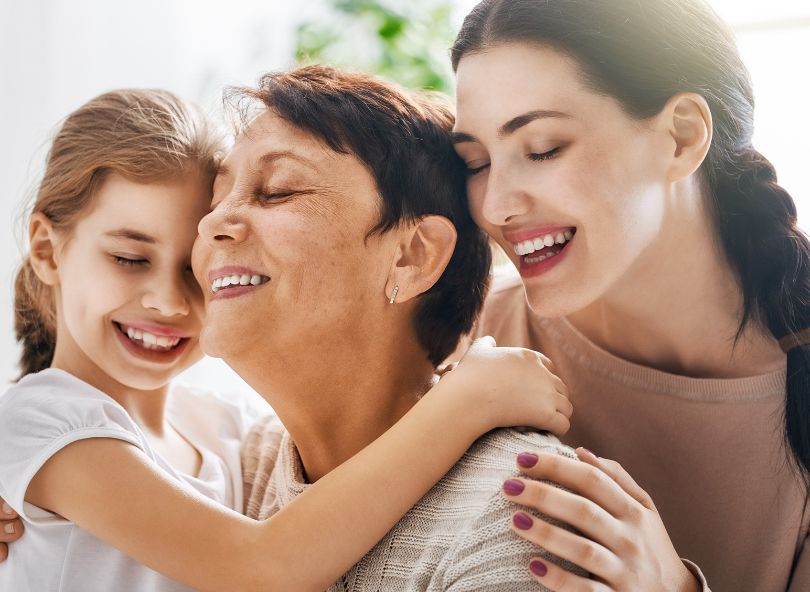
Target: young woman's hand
623, 542
11, 528
509, 386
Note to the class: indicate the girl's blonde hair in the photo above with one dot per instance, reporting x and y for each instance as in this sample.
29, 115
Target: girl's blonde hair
144, 135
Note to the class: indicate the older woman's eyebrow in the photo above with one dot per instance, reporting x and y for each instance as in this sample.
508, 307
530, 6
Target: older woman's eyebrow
271, 157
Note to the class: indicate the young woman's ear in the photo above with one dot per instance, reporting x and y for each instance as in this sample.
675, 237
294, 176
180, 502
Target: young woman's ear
422, 256
43, 249
688, 121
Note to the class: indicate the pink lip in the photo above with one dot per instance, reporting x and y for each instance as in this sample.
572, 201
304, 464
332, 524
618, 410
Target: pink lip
157, 330
518, 236
232, 270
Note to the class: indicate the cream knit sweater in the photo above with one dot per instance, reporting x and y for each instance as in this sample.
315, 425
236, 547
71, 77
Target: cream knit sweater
456, 538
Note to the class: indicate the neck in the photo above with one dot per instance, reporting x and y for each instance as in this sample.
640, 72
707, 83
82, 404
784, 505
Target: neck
336, 399
679, 307
145, 406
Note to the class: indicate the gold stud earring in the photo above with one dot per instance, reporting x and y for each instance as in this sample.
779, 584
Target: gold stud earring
394, 295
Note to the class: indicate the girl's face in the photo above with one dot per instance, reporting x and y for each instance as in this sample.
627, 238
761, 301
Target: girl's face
128, 305
571, 187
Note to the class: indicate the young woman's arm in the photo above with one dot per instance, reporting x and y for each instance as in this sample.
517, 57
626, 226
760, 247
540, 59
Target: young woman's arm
111, 489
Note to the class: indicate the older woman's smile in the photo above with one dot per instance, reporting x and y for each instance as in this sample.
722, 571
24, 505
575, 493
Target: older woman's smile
232, 280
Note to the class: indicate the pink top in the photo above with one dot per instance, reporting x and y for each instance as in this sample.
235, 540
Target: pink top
710, 452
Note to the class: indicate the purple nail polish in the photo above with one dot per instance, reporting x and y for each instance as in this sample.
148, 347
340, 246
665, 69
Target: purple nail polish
527, 459
538, 568
513, 487
522, 520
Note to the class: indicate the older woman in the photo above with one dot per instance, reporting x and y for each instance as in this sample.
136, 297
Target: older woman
371, 273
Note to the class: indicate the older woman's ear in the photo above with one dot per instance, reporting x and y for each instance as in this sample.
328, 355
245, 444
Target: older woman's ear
423, 254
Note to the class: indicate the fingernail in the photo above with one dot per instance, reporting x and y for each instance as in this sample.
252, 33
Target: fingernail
9, 528
513, 487
7, 509
527, 459
522, 520
588, 452
538, 568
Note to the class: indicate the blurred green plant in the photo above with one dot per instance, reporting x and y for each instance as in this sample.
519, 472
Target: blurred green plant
407, 44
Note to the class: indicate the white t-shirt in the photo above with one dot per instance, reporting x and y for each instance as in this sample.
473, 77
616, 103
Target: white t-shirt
45, 412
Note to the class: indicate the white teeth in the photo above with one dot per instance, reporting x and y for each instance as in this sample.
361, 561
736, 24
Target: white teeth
530, 246
150, 341
238, 280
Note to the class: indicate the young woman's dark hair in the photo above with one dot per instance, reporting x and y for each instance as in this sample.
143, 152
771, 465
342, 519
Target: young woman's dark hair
643, 53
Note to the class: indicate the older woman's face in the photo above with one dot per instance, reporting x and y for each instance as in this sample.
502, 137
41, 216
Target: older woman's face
283, 257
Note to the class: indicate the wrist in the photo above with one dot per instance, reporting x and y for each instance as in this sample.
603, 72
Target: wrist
460, 404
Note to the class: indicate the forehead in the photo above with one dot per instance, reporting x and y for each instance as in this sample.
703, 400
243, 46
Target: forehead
166, 207
506, 80
268, 133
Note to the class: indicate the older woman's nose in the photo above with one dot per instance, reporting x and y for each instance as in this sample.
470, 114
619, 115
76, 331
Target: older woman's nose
223, 223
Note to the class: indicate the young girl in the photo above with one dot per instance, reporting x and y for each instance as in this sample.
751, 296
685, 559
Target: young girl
662, 269
108, 312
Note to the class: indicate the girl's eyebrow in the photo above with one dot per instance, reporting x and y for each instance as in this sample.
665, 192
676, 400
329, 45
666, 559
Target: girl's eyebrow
129, 234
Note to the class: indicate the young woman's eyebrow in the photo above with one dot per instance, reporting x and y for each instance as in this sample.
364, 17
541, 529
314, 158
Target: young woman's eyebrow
514, 124
130, 234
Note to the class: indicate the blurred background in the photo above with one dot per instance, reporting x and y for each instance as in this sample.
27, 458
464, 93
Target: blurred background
56, 55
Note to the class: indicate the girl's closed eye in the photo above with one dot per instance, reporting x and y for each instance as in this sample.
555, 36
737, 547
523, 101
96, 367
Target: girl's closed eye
129, 260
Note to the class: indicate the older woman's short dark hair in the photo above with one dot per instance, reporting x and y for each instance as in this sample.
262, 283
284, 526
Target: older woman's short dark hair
405, 141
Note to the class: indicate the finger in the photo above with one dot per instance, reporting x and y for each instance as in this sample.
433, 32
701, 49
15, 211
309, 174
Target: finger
557, 579
558, 424
546, 362
7, 511
3, 552
587, 517
579, 477
564, 405
619, 475
10, 530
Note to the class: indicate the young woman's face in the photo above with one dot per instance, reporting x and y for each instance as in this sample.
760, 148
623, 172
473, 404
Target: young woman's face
570, 186
128, 303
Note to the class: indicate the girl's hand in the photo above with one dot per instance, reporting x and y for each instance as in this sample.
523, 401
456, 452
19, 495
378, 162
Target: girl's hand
10, 528
508, 386
623, 544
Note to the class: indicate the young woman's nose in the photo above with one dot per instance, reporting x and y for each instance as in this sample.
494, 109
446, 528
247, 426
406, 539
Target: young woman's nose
503, 200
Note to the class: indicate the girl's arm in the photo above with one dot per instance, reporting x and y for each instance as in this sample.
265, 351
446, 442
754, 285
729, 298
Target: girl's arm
111, 489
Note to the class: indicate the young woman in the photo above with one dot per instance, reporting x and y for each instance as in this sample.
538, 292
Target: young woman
662, 270
115, 473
